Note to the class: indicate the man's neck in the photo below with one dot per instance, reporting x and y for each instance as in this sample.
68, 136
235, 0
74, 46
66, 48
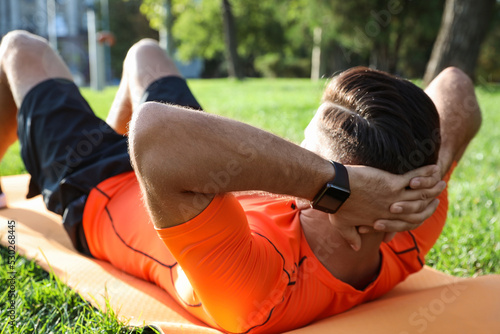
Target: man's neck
359, 268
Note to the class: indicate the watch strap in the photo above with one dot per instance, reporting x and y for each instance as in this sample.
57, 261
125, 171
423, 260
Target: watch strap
341, 176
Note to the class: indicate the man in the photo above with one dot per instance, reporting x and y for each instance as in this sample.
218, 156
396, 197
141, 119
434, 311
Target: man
240, 261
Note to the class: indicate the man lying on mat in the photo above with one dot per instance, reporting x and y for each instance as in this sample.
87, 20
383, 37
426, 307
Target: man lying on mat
237, 256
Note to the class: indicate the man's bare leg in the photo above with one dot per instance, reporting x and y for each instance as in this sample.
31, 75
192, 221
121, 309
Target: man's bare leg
25, 61
145, 62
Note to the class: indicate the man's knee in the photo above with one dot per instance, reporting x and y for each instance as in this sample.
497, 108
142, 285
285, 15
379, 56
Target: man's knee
145, 45
19, 46
146, 42
15, 37
20, 40
146, 62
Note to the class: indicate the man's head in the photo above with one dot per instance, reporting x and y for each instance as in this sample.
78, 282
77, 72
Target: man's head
371, 118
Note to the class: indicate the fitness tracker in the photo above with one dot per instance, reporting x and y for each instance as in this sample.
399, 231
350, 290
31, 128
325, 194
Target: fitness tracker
334, 193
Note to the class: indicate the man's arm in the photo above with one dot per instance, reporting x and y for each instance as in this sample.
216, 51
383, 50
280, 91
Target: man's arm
452, 91
184, 158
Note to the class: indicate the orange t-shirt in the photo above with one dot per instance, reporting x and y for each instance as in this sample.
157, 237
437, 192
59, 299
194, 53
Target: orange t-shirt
243, 264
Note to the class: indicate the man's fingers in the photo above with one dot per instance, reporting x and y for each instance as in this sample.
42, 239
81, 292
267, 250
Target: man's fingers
423, 194
410, 206
382, 225
406, 222
416, 201
424, 177
425, 171
423, 182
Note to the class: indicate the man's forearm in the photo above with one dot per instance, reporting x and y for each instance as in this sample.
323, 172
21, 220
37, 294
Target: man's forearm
182, 153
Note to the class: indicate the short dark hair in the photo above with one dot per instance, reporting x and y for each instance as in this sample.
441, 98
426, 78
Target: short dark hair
379, 120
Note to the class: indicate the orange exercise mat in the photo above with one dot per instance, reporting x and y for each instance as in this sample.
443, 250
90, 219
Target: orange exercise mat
427, 302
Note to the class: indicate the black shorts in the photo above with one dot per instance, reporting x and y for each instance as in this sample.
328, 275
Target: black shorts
68, 150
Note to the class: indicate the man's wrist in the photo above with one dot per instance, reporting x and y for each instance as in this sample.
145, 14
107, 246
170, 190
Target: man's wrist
335, 192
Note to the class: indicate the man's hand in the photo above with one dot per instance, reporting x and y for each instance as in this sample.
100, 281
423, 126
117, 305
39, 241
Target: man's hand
386, 202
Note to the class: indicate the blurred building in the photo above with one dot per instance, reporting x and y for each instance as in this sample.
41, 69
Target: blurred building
62, 22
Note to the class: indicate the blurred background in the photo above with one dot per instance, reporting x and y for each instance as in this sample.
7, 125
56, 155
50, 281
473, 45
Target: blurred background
272, 38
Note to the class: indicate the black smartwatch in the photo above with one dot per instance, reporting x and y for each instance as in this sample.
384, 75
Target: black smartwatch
334, 193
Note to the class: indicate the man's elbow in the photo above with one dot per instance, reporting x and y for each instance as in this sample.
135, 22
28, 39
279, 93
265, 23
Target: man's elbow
152, 138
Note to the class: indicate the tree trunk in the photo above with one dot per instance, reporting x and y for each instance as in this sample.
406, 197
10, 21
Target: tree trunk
316, 55
166, 36
379, 56
394, 53
463, 28
233, 61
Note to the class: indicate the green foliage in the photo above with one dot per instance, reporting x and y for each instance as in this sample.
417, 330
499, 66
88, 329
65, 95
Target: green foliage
154, 10
393, 35
275, 37
198, 30
382, 31
128, 26
273, 65
421, 25
489, 61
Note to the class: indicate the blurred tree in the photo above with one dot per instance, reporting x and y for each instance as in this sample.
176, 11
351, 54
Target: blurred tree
488, 67
128, 26
199, 29
233, 60
463, 28
161, 18
275, 38
379, 31
421, 26
202, 29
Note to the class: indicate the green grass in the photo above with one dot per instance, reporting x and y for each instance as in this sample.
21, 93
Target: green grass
45, 305
469, 245
470, 242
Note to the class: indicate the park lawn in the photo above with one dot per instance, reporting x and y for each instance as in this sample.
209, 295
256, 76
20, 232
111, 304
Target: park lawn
468, 246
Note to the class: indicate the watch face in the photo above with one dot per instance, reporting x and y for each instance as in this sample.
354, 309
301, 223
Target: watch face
332, 198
